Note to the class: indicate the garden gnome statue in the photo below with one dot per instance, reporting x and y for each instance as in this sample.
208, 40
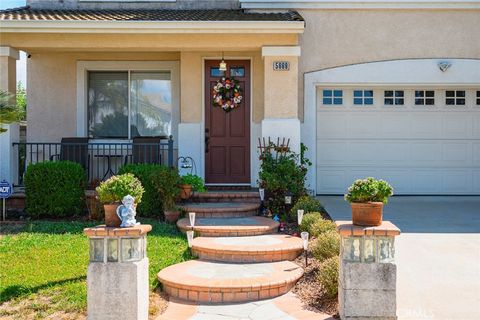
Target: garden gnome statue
127, 212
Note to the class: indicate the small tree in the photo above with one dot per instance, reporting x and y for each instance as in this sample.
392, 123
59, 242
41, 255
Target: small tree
9, 112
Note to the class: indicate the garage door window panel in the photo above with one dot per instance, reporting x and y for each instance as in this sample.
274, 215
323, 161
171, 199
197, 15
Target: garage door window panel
332, 97
394, 97
478, 98
362, 97
424, 97
455, 97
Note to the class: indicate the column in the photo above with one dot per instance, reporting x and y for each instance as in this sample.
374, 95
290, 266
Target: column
281, 94
117, 273
8, 82
368, 274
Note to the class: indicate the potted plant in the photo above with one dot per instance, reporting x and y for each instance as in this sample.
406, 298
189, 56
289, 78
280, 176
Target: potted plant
367, 197
189, 183
112, 191
166, 182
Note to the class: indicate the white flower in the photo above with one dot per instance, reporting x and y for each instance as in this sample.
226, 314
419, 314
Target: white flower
227, 86
236, 100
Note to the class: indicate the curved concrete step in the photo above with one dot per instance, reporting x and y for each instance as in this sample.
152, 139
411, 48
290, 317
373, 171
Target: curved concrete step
226, 196
265, 248
222, 209
230, 227
215, 282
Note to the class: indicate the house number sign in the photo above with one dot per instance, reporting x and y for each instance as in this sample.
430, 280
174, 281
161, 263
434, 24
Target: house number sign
281, 65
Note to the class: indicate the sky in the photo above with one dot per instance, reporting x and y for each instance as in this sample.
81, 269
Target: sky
21, 64
5, 4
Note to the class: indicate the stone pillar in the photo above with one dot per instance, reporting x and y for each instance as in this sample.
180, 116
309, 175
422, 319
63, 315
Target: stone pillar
281, 94
8, 82
368, 274
117, 274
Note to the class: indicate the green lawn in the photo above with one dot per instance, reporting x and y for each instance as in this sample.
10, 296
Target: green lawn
43, 265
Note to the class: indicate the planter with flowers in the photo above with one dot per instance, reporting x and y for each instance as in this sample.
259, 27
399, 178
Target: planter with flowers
112, 191
190, 183
367, 197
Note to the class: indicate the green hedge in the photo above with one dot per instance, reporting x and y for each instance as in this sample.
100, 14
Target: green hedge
151, 205
55, 189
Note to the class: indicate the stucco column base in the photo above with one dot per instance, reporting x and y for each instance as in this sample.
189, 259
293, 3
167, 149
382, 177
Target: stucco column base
367, 291
282, 128
117, 290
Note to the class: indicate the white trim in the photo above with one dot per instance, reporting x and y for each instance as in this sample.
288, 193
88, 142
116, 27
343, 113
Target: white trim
252, 125
9, 52
281, 51
360, 4
420, 72
83, 26
84, 66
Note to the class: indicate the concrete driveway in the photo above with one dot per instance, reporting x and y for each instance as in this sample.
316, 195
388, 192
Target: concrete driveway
437, 254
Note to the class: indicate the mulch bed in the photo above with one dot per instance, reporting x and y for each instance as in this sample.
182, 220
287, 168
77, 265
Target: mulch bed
310, 291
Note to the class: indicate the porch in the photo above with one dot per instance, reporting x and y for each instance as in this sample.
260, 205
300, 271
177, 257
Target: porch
116, 78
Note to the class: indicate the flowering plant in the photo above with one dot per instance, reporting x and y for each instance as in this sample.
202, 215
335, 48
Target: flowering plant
369, 190
227, 94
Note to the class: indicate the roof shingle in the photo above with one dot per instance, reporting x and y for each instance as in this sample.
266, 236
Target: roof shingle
29, 14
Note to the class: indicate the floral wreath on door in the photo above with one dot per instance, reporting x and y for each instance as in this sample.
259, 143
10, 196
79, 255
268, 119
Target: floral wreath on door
227, 94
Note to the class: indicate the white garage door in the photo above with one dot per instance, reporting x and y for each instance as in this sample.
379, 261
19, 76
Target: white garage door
421, 140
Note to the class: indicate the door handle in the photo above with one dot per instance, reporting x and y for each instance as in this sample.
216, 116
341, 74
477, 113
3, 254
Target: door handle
207, 139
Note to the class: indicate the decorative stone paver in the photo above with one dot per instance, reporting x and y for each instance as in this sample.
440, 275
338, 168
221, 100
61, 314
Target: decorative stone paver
231, 227
263, 248
286, 307
242, 259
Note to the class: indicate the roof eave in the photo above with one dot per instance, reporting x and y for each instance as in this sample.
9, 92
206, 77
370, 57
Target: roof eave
36, 26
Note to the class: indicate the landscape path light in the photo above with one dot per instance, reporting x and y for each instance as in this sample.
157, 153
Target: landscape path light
300, 213
261, 192
190, 240
304, 236
191, 216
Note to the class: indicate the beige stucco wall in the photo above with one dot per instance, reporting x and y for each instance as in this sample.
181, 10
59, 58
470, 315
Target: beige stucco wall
8, 74
341, 37
191, 74
281, 98
52, 94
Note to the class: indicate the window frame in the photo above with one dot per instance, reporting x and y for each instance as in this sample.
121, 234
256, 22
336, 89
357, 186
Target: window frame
394, 98
424, 98
363, 97
84, 67
332, 97
455, 98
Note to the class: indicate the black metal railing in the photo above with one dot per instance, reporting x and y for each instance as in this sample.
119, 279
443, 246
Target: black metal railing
99, 159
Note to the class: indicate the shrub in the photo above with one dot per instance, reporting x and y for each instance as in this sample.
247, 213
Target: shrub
308, 204
195, 181
369, 190
117, 187
328, 276
322, 226
55, 189
166, 183
309, 220
151, 205
327, 245
282, 171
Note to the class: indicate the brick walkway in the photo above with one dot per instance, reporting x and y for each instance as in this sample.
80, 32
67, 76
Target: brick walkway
244, 269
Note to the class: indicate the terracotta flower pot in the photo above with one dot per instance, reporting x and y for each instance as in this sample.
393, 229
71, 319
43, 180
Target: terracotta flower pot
186, 192
111, 218
367, 214
171, 215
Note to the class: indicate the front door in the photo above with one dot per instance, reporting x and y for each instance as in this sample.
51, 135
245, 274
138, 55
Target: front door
227, 134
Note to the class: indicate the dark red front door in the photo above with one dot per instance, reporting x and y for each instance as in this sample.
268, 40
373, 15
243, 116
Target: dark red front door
227, 134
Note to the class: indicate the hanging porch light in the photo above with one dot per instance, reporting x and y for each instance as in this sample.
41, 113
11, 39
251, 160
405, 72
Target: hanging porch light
223, 65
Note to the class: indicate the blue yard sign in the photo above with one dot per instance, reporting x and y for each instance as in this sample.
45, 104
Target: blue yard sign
6, 189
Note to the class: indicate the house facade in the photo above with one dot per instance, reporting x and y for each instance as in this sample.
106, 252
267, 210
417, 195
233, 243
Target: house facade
389, 89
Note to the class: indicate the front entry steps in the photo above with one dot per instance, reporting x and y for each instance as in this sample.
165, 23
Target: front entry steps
216, 282
230, 227
222, 209
226, 196
264, 248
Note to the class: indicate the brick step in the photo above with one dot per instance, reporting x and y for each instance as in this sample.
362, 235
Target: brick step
222, 209
230, 227
226, 196
265, 248
215, 282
